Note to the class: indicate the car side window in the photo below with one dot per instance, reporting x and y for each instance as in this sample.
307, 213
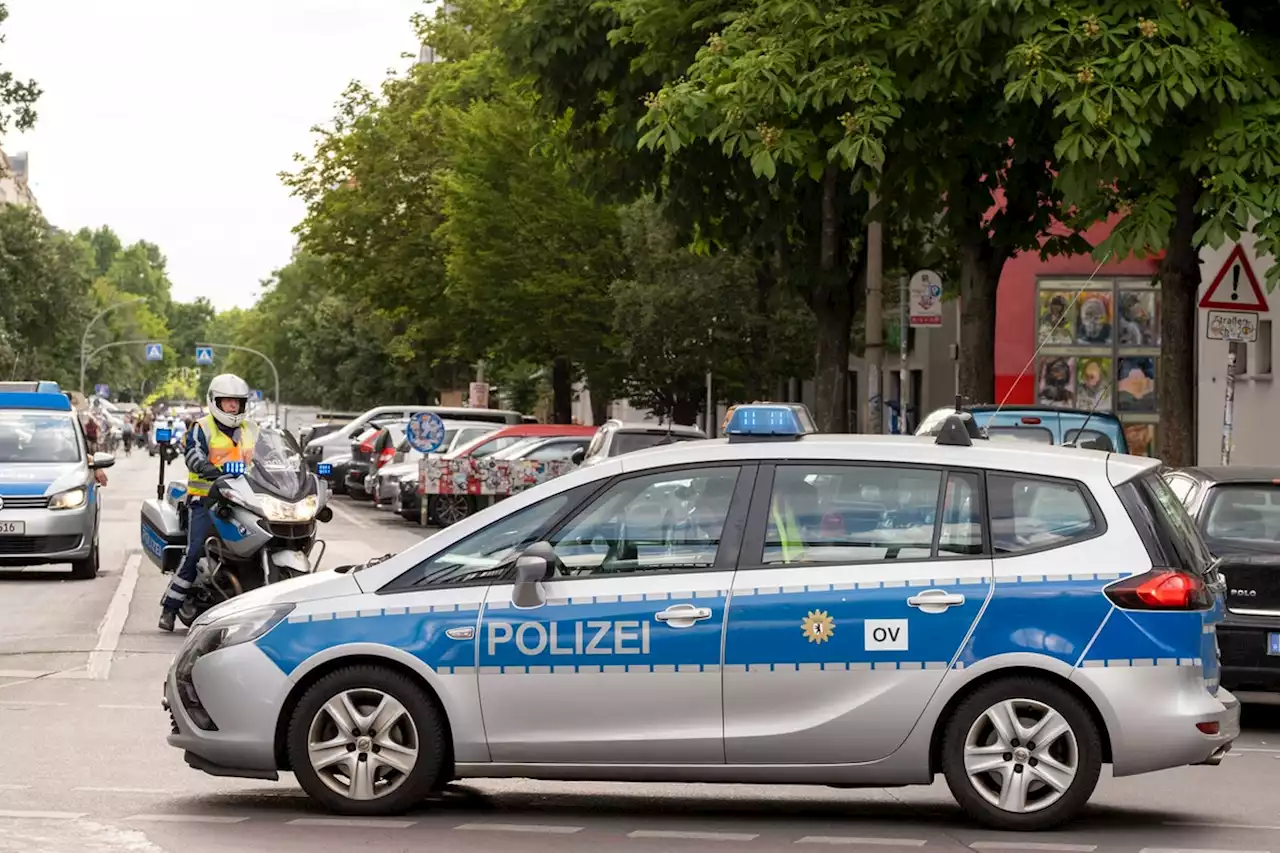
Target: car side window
858, 514
485, 555
670, 521
961, 524
1032, 513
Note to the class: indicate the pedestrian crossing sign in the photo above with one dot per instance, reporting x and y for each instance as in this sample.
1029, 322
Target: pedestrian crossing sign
155, 352
204, 355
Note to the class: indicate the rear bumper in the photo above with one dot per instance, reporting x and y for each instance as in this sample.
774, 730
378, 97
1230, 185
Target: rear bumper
1247, 665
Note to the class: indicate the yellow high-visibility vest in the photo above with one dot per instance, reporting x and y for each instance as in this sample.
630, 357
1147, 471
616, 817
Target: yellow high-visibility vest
222, 449
789, 533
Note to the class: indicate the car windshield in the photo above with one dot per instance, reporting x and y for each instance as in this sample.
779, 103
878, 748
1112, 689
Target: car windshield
275, 464
1244, 513
36, 437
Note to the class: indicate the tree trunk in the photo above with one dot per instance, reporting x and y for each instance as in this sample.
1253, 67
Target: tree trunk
980, 268
1179, 287
599, 405
561, 391
684, 411
759, 375
832, 306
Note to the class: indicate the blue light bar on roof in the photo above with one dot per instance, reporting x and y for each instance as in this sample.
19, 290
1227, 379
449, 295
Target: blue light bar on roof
770, 420
35, 400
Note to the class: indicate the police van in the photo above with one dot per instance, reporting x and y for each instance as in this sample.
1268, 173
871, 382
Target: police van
49, 502
775, 607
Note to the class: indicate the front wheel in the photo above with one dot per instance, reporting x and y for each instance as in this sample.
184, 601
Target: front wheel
87, 569
1022, 754
365, 740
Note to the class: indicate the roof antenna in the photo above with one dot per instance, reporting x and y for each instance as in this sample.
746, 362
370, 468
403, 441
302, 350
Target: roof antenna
1075, 442
1074, 299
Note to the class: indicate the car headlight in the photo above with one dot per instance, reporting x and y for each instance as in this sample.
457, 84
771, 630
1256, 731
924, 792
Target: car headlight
278, 510
70, 499
232, 630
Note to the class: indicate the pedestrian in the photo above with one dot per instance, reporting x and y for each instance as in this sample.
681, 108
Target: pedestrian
128, 436
225, 436
91, 433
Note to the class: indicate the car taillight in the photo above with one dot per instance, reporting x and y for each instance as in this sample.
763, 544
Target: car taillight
1161, 589
367, 445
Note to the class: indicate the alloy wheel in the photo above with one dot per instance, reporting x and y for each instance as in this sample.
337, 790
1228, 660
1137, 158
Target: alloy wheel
363, 744
1021, 755
450, 509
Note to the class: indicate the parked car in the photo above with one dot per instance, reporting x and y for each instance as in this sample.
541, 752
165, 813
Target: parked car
1237, 511
404, 465
615, 438
558, 449
325, 448
444, 510
1041, 424
362, 455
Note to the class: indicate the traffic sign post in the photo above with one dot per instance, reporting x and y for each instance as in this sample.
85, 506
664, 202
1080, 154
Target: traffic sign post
1228, 291
1236, 326
255, 395
102, 390
204, 355
155, 352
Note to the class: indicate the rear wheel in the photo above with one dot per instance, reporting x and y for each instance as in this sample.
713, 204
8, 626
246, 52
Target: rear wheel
450, 509
1022, 754
367, 741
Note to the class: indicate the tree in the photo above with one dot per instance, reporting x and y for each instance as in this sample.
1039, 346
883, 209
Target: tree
1170, 115
17, 97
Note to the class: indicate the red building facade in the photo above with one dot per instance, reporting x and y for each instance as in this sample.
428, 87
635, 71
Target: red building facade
1069, 336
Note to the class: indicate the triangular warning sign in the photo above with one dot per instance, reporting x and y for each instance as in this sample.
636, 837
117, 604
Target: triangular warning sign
1228, 290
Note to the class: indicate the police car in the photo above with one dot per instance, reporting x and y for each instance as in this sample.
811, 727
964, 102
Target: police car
776, 607
49, 507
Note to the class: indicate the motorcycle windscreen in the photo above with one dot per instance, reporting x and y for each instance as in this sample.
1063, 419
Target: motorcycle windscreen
276, 466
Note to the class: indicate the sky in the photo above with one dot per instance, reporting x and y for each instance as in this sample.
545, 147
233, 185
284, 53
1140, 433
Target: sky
170, 120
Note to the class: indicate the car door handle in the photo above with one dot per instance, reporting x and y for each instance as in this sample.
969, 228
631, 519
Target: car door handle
683, 615
935, 600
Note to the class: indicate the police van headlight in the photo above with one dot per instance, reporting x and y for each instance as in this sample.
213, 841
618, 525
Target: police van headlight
277, 510
70, 499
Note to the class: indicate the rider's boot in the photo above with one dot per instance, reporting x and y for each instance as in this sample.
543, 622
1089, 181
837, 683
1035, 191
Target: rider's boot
166, 620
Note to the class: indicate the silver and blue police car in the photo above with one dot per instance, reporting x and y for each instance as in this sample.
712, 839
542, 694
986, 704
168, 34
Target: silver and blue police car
776, 607
49, 503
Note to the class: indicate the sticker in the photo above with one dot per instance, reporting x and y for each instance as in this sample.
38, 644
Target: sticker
886, 635
818, 626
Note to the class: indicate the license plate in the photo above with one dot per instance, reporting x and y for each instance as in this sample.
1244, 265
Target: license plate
1273, 644
12, 528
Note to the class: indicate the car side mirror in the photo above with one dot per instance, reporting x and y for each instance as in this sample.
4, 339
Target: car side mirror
532, 568
101, 460
578, 455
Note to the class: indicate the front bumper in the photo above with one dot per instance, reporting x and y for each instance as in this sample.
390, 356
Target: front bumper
49, 536
242, 692
1244, 645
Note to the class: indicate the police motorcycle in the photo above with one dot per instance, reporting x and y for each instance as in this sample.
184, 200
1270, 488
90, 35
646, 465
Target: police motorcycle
264, 514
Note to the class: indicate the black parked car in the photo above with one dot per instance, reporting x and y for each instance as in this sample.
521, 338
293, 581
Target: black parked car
1238, 512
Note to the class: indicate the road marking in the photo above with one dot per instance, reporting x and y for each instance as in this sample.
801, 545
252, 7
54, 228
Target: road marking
113, 624
1033, 845
26, 673
1253, 749
96, 790
21, 815
546, 829
870, 842
693, 836
1221, 825
186, 818
347, 516
41, 703
15, 787
1194, 850
356, 823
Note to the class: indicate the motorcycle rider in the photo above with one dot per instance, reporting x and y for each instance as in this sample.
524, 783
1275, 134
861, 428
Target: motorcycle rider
222, 436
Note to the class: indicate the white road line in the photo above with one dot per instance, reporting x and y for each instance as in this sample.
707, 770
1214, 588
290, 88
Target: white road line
355, 823
1194, 850
186, 818
1033, 845
113, 624
545, 829
340, 512
1235, 749
1221, 825
15, 787
870, 842
99, 790
693, 836
23, 815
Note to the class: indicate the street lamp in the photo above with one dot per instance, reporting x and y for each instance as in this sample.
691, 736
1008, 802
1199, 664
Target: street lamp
84, 339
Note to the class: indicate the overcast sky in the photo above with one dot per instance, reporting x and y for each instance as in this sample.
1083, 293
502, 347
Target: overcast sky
169, 120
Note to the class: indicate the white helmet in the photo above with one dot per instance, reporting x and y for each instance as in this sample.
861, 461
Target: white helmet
228, 386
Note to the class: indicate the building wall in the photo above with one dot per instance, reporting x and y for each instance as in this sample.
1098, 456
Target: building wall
14, 188
1257, 401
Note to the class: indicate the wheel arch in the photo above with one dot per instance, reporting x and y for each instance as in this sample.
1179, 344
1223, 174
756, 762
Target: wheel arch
340, 658
1020, 671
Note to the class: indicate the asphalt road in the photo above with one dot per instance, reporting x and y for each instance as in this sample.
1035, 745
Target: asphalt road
84, 767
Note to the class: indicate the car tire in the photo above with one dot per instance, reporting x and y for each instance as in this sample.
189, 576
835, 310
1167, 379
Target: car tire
1062, 772
419, 727
87, 569
450, 509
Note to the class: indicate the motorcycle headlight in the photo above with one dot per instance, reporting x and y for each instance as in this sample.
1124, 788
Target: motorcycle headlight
278, 510
228, 631
70, 499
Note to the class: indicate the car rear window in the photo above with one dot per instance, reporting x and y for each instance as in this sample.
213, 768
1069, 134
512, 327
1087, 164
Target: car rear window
1245, 513
1163, 524
1039, 435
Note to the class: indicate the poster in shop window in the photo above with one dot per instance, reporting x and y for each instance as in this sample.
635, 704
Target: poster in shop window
1136, 384
1093, 326
1138, 319
1093, 384
1055, 321
1141, 439
1057, 381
